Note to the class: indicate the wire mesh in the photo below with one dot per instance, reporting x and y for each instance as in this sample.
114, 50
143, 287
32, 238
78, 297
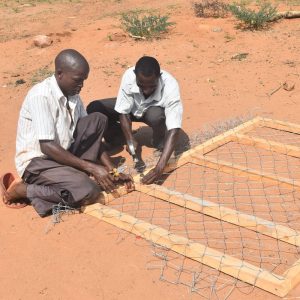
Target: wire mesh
265, 201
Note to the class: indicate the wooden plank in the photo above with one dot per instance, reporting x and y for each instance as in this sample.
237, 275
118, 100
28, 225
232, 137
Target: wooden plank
220, 212
267, 144
212, 143
184, 158
275, 284
207, 146
105, 198
292, 275
280, 125
222, 138
227, 264
235, 169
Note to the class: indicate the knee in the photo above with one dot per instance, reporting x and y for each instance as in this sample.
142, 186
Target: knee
158, 120
95, 106
100, 119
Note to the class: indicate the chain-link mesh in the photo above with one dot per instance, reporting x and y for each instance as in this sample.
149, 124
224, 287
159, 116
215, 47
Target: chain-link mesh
258, 184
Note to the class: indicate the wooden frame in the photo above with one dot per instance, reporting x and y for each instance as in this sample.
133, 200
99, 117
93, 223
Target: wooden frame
279, 285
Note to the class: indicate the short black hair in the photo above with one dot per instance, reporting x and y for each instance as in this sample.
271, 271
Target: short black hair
70, 59
148, 66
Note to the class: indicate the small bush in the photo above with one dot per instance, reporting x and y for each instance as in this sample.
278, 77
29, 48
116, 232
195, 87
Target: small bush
252, 19
210, 9
41, 74
141, 26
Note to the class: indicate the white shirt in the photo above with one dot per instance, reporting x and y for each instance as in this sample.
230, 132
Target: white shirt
44, 116
167, 95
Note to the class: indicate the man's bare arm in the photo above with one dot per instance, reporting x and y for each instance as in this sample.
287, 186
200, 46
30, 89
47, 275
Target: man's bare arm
64, 157
126, 126
169, 146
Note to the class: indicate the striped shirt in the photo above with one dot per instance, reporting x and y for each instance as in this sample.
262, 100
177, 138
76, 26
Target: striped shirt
167, 95
44, 116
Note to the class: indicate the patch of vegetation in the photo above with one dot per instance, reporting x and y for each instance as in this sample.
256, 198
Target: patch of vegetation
145, 26
124, 65
253, 19
20, 81
41, 74
210, 9
228, 37
240, 56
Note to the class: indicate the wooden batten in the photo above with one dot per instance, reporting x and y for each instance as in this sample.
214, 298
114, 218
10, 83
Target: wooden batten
222, 139
220, 212
235, 169
267, 144
292, 275
280, 125
227, 264
276, 284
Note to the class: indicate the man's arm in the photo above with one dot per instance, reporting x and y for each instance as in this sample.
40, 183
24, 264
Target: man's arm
169, 146
173, 113
62, 156
126, 126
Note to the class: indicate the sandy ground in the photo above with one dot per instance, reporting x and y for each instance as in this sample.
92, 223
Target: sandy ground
83, 258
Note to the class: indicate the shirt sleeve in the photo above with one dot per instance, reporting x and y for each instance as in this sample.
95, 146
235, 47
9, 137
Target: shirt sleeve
42, 119
125, 101
81, 110
173, 105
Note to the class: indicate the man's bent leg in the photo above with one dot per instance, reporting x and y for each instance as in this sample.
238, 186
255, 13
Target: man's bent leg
50, 183
155, 118
88, 136
113, 134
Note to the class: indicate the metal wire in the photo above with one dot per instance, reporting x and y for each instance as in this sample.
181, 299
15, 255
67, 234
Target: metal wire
258, 197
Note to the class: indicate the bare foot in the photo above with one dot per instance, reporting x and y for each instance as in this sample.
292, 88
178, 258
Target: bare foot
13, 192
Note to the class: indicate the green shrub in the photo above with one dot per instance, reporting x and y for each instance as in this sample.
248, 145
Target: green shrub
210, 9
252, 19
145, 26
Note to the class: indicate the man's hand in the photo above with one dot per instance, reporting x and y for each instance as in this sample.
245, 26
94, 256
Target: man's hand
110, 179
127, 180
104, 179
152, 175
169, 145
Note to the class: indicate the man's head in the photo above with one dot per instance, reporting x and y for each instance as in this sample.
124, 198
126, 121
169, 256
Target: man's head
147, 71
71, 69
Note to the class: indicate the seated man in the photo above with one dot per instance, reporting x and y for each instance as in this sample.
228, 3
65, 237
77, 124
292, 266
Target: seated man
59, 145
150, 95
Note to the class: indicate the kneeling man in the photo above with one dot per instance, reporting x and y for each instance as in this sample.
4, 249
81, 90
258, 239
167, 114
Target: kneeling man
59, 146
150, 95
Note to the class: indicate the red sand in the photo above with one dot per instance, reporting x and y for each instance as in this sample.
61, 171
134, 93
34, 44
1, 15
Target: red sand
83, 258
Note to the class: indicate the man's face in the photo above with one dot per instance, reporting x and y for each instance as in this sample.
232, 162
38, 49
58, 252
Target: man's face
147, 85
71, 81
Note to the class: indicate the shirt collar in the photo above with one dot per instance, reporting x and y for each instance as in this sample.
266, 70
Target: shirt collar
58, 94
157, 93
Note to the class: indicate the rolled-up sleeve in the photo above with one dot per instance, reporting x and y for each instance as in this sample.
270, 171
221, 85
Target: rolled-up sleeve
42, 119
173, 105
125, 101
